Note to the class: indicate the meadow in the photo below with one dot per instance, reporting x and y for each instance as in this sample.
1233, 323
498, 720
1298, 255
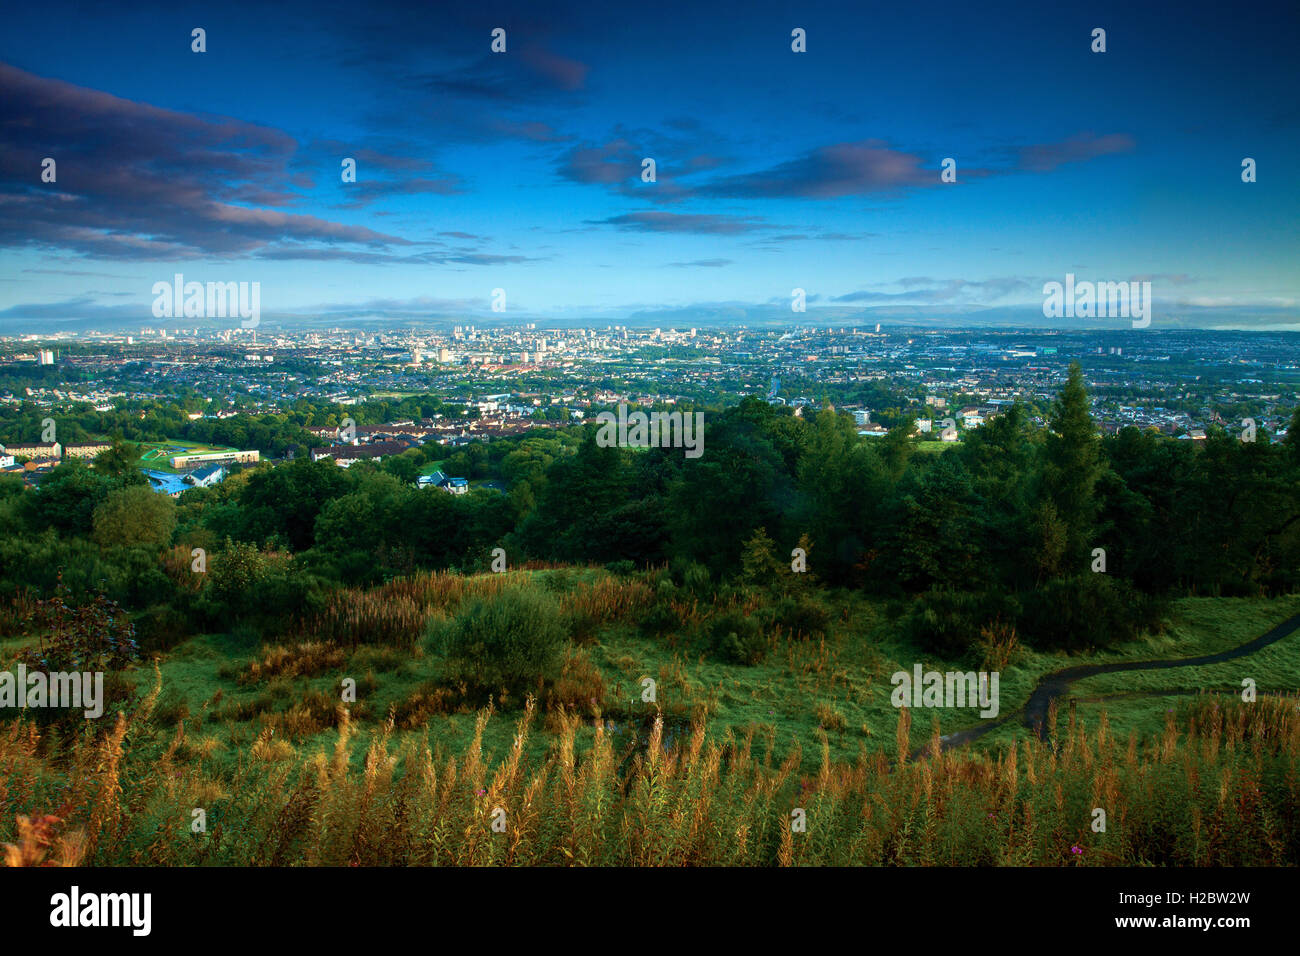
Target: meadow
419, 765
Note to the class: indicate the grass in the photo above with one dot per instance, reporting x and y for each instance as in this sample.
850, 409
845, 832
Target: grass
1215, 786
936, 446
839, 685
158, 455
259, 734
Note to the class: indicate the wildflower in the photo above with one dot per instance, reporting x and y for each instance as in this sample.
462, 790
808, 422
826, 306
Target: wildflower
1076, 849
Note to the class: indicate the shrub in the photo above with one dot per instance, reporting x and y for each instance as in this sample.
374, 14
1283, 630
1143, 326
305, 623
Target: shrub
830, 718
661, 619
949, 623
737, 636
511, 641
802, 616
135, 515
998, 646
1086, 611
161, 627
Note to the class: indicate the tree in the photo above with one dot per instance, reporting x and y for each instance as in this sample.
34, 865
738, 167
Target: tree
121, 462
758, 561
68, 497
1072, 465
842, 482
287, 500
135, 515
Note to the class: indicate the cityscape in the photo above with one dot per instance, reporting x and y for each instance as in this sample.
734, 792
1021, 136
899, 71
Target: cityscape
642, 443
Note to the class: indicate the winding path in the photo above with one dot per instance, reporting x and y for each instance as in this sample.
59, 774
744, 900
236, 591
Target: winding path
1052, 686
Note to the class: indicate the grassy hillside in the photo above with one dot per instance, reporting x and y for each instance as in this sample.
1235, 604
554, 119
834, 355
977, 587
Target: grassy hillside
223, 718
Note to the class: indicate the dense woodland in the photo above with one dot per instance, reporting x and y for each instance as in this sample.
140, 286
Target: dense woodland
1003, 527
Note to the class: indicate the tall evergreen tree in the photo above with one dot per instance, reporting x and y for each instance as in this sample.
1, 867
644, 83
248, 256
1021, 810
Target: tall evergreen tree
1072, 464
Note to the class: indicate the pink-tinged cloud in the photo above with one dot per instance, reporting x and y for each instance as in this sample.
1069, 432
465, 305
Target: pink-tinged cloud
683, 222
558, 70
1045, 157
140, 182
829, 172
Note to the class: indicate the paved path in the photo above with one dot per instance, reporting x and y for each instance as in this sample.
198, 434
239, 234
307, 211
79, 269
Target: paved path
1057, 684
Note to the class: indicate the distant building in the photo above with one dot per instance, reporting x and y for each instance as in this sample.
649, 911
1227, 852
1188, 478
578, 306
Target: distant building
37, 451
87, 449
165, 483
454, 486
207, 476
182, 462
345, 455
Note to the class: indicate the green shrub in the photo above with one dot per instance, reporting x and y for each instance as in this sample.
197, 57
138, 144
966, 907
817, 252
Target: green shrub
802, 616
660, 619
514, 641
949, 623
1086, 611
738, 637
160, 628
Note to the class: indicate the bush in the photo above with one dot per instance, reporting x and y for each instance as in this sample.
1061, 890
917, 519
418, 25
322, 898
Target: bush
161, 627
512, 641
135, 515
737, 637
262, 589
1087, 611
802, 616
948, 623
692, 576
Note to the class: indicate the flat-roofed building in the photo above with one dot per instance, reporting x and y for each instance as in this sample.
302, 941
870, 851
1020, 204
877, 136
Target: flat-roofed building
183, 462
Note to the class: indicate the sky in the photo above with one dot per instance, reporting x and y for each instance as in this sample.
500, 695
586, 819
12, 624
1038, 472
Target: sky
523, 170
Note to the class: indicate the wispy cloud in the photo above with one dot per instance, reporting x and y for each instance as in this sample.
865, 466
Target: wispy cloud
707, 224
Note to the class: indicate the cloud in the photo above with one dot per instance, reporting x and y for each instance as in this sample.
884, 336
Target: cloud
614, 162
828, 172
139, 182
922, 289
535, 72
706, 263
1046, 157
680, 153
656, 221
561, 72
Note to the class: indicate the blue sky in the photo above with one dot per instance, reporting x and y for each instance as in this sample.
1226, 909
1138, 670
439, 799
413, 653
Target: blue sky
522, 170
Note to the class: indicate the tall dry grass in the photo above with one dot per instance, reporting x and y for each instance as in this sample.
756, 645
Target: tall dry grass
1218, 786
